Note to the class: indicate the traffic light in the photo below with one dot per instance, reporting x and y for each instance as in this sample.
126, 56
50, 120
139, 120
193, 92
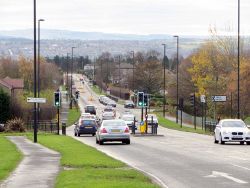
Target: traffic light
145, 99
140, 99
57, 99
192, 99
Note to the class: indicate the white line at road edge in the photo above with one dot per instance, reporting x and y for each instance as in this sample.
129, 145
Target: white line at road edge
155, 178
241, 167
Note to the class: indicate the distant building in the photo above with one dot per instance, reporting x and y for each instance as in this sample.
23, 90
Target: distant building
13, 87
88, 67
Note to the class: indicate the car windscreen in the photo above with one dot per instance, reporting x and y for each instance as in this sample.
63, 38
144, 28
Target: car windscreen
233, 124
108, 110
88, 122
128, 118
114, 123
91, 108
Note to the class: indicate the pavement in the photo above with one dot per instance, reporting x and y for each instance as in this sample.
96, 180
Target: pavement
38, 169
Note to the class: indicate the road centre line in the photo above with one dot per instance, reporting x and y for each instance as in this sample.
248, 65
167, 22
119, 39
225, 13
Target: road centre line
245, 168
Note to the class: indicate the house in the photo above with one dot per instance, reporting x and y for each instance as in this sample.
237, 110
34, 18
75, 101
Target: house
12, 86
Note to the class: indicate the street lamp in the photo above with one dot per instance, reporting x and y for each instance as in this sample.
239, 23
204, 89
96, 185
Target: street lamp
133, 84
71, 96
177, 78
238, 92
38, 67
34, 109
164, 79
67, 73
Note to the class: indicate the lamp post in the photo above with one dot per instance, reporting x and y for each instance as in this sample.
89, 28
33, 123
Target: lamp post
67, 73
71, 83
164, 79
38, 68
133, 84
177, 78
34, 109
238, 88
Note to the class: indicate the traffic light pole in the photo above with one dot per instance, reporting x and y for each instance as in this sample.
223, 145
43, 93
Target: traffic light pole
58, 120
142, 114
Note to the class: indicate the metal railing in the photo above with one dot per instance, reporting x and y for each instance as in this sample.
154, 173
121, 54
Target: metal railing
43, 126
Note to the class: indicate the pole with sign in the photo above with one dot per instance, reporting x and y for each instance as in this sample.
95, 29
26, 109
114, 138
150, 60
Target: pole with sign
203, 101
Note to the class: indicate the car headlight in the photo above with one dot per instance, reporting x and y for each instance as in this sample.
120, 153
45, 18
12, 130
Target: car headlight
248, 133
226, 132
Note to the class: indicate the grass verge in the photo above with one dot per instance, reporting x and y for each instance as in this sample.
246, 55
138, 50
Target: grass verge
10, 156
87, 167
96, 89
73, 116
172, 125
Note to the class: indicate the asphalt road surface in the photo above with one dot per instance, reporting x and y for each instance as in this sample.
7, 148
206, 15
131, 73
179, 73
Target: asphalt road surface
177, 159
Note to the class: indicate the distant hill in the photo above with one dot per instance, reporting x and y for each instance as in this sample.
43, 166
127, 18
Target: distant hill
74, 35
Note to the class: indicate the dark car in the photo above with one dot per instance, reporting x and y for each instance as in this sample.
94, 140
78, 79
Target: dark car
129, 104
90, 109
86, 126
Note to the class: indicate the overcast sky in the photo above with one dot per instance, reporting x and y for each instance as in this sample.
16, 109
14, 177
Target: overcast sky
182, 17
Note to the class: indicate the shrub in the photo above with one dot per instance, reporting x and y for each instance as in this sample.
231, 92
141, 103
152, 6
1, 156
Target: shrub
2, 127
15, 125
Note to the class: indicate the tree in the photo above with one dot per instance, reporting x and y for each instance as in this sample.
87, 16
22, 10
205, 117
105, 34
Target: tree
4, 106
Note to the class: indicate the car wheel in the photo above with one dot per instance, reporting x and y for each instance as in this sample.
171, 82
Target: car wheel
215, 141
93, 134
78, 134
100, 142
75, 133
241, 143
248, 143
221, 141
128, 142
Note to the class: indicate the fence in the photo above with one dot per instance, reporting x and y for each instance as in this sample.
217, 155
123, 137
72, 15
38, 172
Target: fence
43, 126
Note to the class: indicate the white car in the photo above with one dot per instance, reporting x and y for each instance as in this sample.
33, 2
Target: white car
231, 130
129, 119
154, 118
113, 130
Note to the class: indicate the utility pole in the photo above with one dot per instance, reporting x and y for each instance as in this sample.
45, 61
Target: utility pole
164, 80
120, 75
35, 104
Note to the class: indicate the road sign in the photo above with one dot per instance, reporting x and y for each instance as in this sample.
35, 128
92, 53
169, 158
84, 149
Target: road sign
36, 100
219, 98
203, 98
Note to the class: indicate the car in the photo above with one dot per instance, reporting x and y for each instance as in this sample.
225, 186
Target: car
101, 98
113, 130
108, 115
90, 109
231, 130
109, 109
129, 119
85, 115
152, 119
85, 126
111, 103
129, 104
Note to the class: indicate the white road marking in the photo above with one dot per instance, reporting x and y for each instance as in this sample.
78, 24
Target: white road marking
241, 167
239, 158
216, 174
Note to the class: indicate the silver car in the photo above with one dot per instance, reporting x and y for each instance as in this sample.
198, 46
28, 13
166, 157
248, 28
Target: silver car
113, 130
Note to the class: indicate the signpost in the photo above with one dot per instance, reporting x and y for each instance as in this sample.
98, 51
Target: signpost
219, 98
203, 101
36, 100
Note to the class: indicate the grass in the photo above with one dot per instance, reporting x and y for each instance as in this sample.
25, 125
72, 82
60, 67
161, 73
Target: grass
10, 156
73, 115
172, 125
87, 167
247, 120
96, 89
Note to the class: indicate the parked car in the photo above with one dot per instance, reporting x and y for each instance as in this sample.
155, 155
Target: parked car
113, 130
109, 109
231, 130
111, 103
90, 109
85, 126
101, 98
129, 119
129, 104
108, 115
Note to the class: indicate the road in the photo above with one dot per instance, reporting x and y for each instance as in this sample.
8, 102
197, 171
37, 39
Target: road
178, 159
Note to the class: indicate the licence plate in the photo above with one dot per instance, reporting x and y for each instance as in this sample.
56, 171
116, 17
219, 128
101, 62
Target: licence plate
115, 130
88, 127
237, 137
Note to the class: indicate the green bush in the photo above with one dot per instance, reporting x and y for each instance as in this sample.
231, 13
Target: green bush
15, 125
4, 106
